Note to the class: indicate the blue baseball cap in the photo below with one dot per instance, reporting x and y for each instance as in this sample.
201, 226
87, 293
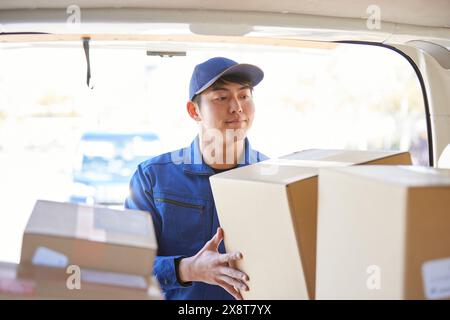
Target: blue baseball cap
206, 73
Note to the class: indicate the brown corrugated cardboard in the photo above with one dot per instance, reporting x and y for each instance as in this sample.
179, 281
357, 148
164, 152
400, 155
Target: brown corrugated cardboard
93, 237
384, 233
30, 282
269, 212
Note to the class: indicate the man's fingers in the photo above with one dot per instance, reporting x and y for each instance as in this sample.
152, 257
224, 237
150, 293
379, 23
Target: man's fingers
228, 257
217, 239
233, 273
239, 285
231, 290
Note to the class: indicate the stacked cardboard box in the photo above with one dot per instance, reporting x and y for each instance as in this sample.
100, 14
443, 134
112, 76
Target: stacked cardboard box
109, 252
18, 281
383, 233
269, 212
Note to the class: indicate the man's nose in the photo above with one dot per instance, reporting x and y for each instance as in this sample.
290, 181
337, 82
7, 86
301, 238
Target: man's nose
235, 105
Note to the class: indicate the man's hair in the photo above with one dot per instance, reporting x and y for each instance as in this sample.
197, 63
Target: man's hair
234, 78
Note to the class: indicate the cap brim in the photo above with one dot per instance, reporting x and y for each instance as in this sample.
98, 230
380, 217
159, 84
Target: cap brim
251, 72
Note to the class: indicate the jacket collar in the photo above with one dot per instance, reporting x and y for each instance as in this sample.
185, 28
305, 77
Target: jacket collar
193, 160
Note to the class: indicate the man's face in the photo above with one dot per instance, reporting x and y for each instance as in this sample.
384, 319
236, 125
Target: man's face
227, 107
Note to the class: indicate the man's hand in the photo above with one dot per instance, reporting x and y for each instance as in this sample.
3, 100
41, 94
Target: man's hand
209, 266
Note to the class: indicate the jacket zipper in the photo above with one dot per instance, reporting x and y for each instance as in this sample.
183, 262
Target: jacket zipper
181, 204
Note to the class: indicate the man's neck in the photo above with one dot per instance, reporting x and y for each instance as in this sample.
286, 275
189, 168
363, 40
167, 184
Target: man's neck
221, 155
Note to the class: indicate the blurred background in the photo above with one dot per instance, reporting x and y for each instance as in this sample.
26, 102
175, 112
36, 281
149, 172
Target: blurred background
60, 140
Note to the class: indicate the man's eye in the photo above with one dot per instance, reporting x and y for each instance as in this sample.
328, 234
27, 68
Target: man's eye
220, 98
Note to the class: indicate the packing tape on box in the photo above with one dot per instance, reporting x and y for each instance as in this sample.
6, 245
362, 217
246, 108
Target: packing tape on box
113, 278
86, 225
87, 275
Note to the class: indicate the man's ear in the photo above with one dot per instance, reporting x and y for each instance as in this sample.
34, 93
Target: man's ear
193, 111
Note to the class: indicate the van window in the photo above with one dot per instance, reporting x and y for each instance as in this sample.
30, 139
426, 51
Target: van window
340, 96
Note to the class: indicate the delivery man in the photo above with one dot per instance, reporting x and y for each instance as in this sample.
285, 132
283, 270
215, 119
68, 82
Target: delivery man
174, 187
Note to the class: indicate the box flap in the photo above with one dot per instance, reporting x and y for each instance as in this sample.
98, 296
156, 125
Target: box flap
410, 176
271, 171
340, 156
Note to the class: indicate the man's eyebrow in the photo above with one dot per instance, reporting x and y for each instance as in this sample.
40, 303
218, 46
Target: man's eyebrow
217, 88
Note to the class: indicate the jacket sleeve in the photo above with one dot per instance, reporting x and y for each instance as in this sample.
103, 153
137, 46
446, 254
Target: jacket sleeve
141, 198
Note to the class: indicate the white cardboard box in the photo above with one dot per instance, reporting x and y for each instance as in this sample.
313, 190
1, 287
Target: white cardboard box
93, 237
384, 233
30, 282
268, 212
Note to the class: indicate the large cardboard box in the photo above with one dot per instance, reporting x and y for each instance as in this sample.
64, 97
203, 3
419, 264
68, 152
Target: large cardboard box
268, 212
93, 237
384, 233
30, 282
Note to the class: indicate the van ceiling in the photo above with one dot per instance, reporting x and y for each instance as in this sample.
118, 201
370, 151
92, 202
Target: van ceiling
429, 13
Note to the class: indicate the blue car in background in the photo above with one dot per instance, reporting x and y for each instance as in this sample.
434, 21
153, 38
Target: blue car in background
106, 161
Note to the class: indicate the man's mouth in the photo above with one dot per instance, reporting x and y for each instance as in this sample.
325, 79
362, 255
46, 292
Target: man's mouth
235, 121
